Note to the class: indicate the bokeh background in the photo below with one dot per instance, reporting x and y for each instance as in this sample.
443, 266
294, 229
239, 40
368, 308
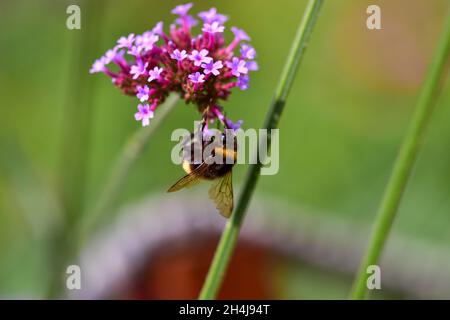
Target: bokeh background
61, 130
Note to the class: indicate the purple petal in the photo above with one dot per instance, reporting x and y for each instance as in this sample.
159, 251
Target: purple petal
241, 34
182, 9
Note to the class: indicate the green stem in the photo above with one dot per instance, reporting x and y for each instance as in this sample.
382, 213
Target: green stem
113, 186
404, 163
230, 234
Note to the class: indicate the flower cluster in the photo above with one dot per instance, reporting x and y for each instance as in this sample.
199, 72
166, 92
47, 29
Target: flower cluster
202, 69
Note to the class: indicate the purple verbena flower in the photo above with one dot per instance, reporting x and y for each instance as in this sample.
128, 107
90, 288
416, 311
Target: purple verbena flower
143, 93
252, 65
214, 27
158, 29
234, 125
139, 69
248, 52
200, 57
126, 42
110, 55
135, 51
119, 59
98, 66
144, 114
242, 82
228, 123
237, 67
212, 67
240, 34
197, 77
211, 16
139, 39
146, 40
155, 74
184, 63
189, 20
179, 55
182, 9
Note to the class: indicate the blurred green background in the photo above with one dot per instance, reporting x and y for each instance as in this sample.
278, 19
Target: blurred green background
345, 118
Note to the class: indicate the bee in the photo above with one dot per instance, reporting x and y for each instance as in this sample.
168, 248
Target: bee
221, 192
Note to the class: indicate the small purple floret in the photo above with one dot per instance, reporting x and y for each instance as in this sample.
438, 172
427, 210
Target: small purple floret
189, 20
126, 42
214, 27
237, 67
155, 74
197, 77
143, 93
248, 52
212, 67
179, 55
211, 16
98, 66
140, 69
182, 9
240, 34
242, 82
252, 66
144, 114
200, 57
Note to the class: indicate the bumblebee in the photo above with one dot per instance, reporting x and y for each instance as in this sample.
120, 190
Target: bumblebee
221, 192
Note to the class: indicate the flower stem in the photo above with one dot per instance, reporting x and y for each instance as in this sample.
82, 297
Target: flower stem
404, 163
113, 186
230, 234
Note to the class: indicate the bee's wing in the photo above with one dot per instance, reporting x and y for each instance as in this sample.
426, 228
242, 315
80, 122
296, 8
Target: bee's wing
222, 194
189, 179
